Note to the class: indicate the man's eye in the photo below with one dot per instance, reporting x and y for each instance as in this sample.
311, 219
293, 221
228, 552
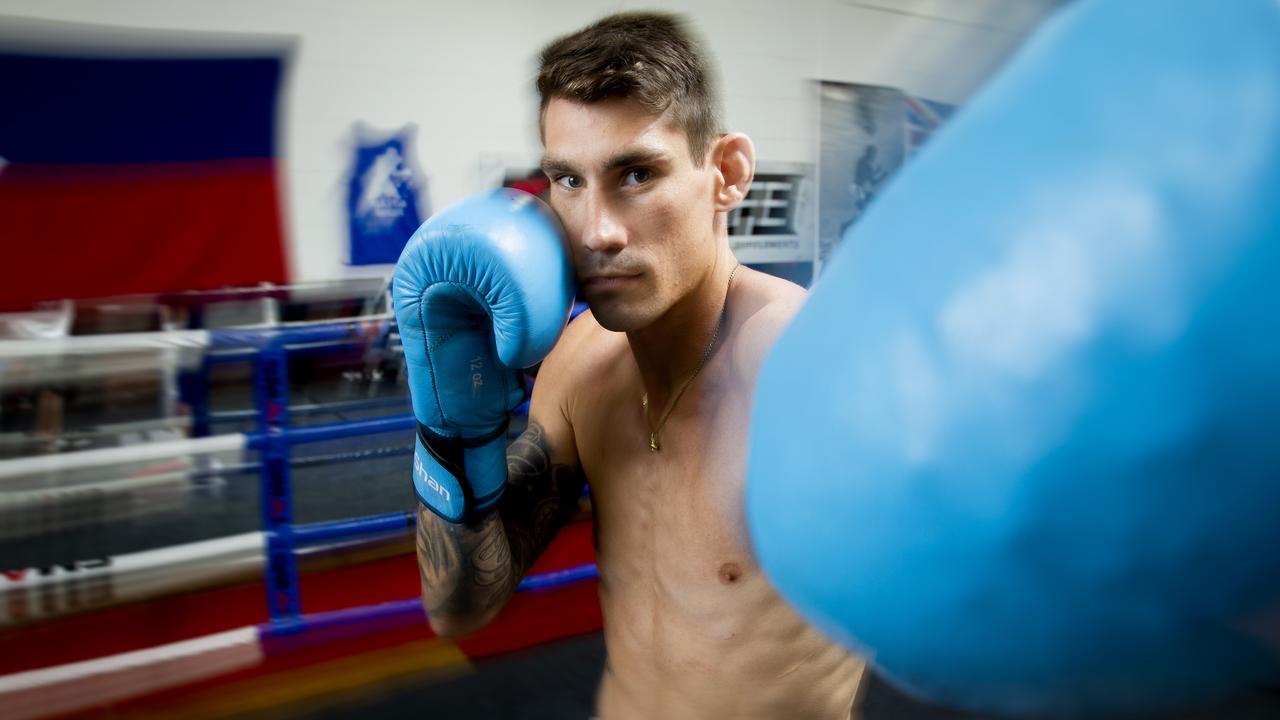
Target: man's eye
571, 182
639, 176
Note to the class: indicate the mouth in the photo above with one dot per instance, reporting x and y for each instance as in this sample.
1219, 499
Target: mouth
607, 282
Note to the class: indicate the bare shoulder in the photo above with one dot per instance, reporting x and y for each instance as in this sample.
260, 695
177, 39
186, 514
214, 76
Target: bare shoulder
766, 306
584, 345
584, 351
573, 364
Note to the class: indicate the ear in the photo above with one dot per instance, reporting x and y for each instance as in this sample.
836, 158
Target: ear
733, 159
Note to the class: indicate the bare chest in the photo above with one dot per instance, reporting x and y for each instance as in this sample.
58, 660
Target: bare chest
670, 528
692, 625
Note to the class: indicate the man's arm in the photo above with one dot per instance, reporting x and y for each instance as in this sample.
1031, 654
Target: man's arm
472, 303
469, 571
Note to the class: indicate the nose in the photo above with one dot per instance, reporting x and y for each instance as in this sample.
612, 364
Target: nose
603, 232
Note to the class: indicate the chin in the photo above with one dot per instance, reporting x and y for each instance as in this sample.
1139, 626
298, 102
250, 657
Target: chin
618, 317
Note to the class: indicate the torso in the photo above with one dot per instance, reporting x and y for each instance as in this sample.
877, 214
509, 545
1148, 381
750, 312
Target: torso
692, 627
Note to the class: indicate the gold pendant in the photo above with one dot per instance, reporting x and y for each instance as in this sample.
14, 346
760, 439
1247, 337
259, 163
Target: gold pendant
653, 442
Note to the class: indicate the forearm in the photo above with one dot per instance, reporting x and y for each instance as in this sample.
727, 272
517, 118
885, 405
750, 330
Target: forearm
470, 570
466, 571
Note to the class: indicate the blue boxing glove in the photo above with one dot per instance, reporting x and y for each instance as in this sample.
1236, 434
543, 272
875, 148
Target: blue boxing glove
1049, 481
483, 288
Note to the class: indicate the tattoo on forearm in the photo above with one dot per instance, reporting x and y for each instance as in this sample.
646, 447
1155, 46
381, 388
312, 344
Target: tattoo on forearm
441, 561
473, 568
540, 496
492, 561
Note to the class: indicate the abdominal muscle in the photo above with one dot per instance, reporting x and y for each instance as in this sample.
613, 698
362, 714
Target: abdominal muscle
692, 627
753, 660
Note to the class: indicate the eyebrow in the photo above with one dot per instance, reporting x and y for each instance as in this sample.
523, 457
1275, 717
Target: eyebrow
555, 166
551, 166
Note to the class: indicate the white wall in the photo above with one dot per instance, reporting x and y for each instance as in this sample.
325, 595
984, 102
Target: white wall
462, 72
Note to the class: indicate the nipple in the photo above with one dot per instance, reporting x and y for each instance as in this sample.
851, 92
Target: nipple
729, 573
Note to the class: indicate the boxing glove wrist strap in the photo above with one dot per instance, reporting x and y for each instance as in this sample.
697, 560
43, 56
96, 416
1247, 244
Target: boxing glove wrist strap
459, 477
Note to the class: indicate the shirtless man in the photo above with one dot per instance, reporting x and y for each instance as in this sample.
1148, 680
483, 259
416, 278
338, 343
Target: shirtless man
646, 398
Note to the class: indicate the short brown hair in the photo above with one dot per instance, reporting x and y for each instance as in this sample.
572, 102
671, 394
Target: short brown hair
651, 58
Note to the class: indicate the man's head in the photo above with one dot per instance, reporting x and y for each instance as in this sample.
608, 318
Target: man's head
641, 174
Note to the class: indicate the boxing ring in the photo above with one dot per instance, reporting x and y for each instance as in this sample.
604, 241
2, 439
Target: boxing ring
46, 612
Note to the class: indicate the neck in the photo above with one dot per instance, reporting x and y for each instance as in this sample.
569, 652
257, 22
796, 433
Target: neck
668, 350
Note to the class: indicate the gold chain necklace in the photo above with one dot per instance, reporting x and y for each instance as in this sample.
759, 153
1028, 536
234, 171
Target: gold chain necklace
644, 399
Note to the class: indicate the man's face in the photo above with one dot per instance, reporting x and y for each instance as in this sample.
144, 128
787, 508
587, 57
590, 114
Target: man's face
638, 213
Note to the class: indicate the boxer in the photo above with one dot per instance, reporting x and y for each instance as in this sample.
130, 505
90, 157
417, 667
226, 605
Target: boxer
645, 397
